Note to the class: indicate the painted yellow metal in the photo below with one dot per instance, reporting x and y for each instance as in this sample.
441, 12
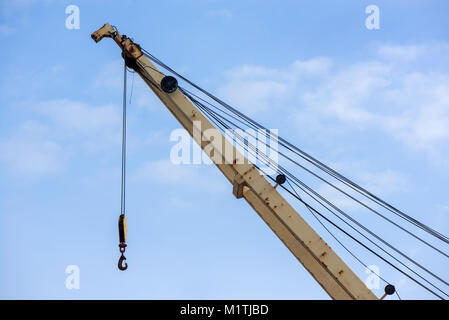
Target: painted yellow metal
334, 276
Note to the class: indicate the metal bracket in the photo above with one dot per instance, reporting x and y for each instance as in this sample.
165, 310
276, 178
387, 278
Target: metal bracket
238, 184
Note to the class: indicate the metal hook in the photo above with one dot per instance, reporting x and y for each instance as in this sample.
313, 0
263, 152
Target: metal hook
121, 264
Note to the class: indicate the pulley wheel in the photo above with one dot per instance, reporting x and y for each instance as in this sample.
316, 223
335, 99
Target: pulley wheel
169, 84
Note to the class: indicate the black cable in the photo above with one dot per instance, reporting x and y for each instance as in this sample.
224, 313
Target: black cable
315, 162
336, 239
309, 207
123, 182
372, 251
340, 190
210, 112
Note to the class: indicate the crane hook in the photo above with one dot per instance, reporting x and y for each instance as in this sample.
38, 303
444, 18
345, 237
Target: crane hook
121, 264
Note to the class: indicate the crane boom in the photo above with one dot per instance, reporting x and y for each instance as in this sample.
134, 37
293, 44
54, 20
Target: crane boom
325, 266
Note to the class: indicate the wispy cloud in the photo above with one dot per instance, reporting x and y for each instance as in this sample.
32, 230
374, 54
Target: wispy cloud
55, 131
409, 101
256, 89
30, 151
403, 53
78, 116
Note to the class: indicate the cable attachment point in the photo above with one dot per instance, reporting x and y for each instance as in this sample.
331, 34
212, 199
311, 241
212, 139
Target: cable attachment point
280, 179
121, 264
169, 84
389, 290
130, 62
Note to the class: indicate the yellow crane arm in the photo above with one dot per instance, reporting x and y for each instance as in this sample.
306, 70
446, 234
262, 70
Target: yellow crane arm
325, 266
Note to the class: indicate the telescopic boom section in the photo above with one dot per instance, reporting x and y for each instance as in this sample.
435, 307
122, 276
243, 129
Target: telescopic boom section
336, 278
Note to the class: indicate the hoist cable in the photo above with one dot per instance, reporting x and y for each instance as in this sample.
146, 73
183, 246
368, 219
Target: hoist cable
123, 184
122, 265
132, 85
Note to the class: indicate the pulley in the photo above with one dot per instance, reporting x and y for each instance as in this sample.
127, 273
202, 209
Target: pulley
280, 179
389, 290
169, 84
122, 220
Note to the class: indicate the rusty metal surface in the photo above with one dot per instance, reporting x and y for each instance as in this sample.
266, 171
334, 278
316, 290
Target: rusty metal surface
122, 265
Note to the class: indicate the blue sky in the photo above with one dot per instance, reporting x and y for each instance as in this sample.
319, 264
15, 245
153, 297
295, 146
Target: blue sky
374, 104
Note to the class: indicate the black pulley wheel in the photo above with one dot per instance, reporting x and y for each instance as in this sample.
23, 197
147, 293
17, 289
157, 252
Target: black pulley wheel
280, 179
169, 84
390, 289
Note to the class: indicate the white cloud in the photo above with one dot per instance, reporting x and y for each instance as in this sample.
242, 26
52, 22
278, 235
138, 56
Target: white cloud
345, 94
259, 95
79, 116
423, 120
28, 151
404, 53
402, 91
255, 89
58, 129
